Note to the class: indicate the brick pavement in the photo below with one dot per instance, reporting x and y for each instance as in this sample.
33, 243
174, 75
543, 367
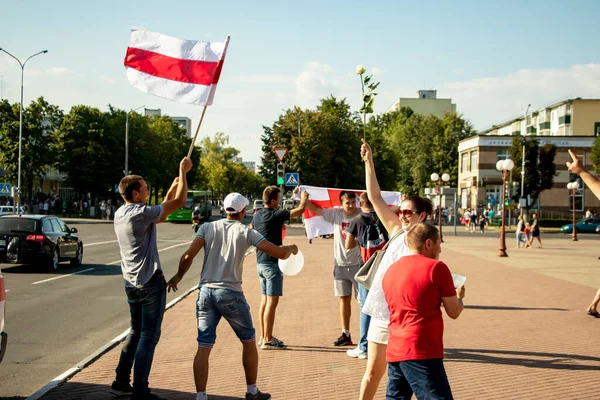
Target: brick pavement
524, 333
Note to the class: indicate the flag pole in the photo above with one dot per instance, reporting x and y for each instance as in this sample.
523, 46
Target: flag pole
204, 109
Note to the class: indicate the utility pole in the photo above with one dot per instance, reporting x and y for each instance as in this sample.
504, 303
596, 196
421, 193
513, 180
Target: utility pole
523, 165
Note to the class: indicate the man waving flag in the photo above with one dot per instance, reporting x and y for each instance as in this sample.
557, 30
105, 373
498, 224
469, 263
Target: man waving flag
185, 71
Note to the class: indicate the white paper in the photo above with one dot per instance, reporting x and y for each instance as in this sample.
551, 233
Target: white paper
459, 280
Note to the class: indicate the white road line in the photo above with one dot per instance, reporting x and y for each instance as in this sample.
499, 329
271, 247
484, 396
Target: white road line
62, 276
166, 248
98, 243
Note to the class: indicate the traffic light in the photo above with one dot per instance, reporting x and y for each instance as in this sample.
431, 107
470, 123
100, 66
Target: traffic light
507, 202
280, 173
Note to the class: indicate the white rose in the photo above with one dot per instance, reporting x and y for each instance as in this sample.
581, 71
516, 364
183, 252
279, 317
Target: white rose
360, 69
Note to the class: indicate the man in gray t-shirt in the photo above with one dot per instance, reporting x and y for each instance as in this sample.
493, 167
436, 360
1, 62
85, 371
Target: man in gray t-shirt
145, 286
346, 262
225, 243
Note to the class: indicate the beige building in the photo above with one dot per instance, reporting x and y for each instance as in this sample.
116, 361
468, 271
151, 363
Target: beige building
426, 103
571, 124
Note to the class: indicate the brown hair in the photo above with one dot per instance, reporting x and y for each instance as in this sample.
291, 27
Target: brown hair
348, 193
128, 184
420, 233
270, 193
422, 205
364, 198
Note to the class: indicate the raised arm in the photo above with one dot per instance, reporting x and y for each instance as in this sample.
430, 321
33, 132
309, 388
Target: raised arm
389, 219
170, 205
315, 209
296, 212
590, 180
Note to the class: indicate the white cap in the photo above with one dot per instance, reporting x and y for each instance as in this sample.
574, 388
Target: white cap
234, 203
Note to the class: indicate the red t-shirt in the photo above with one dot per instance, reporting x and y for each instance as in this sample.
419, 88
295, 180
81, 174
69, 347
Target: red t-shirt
414, 287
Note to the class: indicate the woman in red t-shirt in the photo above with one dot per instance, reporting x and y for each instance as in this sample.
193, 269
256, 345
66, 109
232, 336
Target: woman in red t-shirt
415, 287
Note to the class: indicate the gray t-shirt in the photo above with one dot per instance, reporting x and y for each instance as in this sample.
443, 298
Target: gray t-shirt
341, 256
225, 243
135, 226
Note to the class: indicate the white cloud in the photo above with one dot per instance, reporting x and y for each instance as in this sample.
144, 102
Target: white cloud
55, 72
265, 79
491, 100
376, 71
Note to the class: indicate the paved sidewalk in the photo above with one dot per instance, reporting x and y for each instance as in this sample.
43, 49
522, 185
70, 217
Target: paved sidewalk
524, 333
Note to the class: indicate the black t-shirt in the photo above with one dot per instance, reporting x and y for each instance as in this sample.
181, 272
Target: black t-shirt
369, 233
269, 223
536, 229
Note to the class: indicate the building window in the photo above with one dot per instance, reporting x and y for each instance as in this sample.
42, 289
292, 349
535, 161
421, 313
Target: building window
501, 155
473, 160
464, 167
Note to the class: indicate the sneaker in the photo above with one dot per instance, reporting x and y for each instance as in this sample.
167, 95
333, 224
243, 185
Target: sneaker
146, 396
258, 396
261, 341
121, 389
357, 353
344, 340
273, 344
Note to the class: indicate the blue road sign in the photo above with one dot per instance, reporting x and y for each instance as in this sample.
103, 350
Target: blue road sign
292, 179
5, 189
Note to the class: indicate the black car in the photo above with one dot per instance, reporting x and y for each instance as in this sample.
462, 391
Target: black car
40, 240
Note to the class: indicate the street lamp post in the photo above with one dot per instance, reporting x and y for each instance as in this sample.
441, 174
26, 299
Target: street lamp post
573, 186
439, 183
22, 64
126, 170
505, 166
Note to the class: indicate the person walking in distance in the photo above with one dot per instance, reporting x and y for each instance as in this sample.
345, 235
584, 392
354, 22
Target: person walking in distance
269, 222
415, 287
145, 286
413, 209
346, 261
593, 183
225, 243
535, 231
368, 232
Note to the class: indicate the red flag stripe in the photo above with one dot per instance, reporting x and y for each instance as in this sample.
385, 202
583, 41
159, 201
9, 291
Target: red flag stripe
175, 69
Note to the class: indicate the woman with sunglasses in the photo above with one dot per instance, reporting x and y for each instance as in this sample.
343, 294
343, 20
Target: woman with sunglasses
413, 210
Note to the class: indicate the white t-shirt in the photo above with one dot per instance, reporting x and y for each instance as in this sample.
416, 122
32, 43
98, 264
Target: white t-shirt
375, 304
341, 256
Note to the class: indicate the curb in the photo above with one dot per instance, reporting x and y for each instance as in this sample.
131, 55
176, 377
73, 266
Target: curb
68, 374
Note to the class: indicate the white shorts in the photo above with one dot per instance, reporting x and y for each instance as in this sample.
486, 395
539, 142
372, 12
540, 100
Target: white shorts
378, 331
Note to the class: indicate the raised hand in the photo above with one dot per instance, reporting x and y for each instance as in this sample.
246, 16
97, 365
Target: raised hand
186, 164
576, 166
366, 152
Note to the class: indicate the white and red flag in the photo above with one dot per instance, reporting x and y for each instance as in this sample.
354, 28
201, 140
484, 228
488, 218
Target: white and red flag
185, 71
328, 198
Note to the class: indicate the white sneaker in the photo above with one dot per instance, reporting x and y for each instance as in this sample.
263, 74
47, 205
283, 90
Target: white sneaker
357, 353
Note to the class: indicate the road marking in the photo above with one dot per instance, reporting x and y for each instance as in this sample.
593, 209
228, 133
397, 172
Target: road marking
98, 243
62, 276
166, 248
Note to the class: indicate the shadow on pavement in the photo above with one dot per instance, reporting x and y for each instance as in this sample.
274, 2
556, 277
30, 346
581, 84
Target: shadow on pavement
65, 269
507, 308
524, 359
88, 391
320, 349
13, 398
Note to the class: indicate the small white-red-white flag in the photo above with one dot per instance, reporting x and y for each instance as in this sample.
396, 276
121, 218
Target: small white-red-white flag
329, 198
185, 71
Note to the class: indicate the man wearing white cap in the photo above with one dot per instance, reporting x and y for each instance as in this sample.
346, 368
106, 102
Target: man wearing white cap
225, 243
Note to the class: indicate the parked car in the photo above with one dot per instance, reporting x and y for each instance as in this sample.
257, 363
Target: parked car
587, 225
288, 204
3, 334
7, 210
258, 204
38, 239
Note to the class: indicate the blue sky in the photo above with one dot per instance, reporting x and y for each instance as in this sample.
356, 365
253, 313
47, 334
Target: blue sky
491, 58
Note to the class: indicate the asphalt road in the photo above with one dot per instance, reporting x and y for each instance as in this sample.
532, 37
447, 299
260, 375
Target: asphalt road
56, 319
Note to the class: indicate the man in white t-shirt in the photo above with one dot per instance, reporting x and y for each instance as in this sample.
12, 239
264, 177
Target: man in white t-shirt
346, 262
225, 243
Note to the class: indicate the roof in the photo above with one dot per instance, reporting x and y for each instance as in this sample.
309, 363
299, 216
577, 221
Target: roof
36, 217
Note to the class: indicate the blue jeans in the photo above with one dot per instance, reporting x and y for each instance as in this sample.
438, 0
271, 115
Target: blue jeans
216, 303
147, 307
365, 319
426, 378
271, 279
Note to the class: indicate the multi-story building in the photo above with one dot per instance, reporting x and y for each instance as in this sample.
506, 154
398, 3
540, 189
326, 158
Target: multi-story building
183, 122
426, 103
570, 124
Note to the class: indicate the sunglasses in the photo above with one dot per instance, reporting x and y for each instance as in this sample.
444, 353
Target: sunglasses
407, 213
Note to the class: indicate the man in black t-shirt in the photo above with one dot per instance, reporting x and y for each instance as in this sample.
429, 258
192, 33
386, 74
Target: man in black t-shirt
269, 222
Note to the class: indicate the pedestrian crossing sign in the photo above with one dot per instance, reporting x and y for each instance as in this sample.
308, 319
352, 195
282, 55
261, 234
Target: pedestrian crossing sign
5, 189
292, 179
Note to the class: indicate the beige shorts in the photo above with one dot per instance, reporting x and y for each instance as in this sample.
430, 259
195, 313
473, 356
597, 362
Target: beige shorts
378, 331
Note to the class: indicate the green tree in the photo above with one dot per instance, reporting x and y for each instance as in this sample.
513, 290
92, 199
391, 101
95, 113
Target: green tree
540, 168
